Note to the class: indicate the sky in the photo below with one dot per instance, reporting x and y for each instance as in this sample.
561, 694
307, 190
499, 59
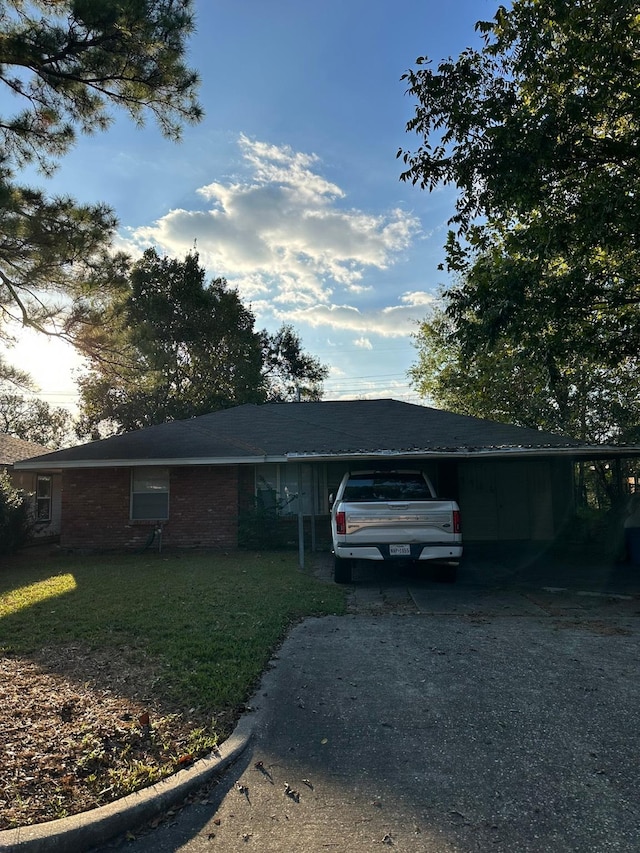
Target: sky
289, 188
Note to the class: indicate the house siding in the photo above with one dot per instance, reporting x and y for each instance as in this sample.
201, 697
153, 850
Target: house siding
202, 510
514, 500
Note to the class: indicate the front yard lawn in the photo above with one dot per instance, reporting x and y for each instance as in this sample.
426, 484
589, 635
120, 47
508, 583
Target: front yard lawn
119, 670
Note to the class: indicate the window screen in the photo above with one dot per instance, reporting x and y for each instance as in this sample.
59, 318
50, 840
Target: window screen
150, 494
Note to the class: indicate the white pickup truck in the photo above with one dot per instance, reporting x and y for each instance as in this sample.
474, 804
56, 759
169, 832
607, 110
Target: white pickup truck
393, 515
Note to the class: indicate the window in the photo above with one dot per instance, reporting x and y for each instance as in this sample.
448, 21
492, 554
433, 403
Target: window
43, 498
150, 494
395, 486
277, 488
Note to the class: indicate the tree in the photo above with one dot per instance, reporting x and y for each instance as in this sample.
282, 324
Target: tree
68, 63
539, 130
24, 416
169, 346
290, 373
13, 377
178, 348
34, 420
513, 383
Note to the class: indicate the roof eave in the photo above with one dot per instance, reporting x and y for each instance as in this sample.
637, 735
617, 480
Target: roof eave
34, 465
581, 452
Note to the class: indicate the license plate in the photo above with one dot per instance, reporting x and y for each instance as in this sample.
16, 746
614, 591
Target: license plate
399, 550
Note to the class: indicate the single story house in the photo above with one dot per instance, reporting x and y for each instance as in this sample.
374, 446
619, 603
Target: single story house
43, 487
189, 481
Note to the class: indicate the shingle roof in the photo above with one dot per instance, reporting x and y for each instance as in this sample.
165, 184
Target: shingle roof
14, 449
320, 430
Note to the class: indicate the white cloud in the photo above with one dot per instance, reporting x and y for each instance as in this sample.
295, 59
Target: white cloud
284, 237
393, 321
282, 165
363, 343
418, 298
375, 391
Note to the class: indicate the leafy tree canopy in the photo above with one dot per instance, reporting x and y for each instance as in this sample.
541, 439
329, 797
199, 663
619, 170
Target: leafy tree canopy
289, 373
34, 420
170, 346
67, 64
176, 347
544, 116
12, 378
540, 132
529, 387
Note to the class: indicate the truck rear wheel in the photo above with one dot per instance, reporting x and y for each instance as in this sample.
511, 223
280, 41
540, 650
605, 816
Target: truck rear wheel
342, 570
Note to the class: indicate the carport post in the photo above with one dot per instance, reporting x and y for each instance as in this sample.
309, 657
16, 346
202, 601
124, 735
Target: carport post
314, 506
300, 519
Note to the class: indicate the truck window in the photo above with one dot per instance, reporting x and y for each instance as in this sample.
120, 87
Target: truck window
387, 487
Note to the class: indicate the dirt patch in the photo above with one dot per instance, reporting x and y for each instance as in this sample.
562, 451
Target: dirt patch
73, 738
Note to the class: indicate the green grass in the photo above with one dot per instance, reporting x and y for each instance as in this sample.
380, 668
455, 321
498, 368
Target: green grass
210, 622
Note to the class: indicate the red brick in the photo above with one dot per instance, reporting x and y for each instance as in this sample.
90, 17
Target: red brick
203, 509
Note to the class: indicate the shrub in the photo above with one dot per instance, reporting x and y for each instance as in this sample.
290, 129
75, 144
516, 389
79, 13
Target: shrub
264, 529
15, 524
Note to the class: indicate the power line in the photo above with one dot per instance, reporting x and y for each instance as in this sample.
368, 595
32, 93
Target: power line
385, 377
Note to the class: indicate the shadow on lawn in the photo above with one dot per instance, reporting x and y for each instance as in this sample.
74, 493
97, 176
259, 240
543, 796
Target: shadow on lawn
92, 654
86, 628
114, 623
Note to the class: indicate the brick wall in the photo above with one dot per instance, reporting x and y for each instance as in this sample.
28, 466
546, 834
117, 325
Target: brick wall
203, 509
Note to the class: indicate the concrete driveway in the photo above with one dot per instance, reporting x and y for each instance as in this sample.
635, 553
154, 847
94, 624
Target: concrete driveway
498, 714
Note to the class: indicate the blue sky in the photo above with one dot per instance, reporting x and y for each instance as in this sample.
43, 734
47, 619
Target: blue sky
290, 186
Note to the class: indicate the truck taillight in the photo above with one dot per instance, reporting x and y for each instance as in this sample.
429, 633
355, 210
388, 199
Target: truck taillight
341, 523
456, 521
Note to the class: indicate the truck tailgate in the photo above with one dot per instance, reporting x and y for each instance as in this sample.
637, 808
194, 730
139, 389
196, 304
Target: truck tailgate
422, 521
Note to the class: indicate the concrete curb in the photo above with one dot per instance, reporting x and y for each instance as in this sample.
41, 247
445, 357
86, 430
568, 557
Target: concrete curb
90, 829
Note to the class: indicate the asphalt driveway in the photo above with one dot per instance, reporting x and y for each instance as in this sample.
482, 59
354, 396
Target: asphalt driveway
501, 713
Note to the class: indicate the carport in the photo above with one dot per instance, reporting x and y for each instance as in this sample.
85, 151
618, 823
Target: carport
524, 496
